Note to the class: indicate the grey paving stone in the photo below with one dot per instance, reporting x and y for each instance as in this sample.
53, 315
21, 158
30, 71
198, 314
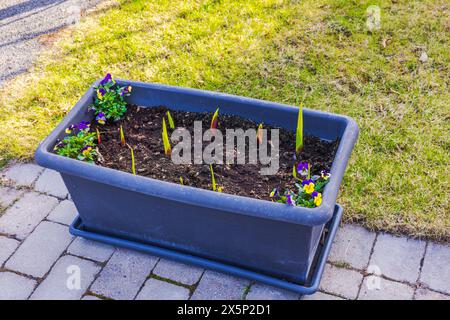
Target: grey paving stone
20, 219
397, 258
89, 297
123, 275
50, 182
65, 212
261, 291
178, 272
436, 267
321, 296
341, 281
62, 282
15, 287
425, 294
376, 288
90, 249
8, 196
159, 290
352, 245
219, 286
7, 247
23, 174
40, 250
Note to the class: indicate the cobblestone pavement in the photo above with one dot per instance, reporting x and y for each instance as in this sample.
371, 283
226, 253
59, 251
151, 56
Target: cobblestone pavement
38, 256
23, 22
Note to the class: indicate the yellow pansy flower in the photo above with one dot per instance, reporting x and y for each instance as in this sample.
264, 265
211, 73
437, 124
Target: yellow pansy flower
309, 188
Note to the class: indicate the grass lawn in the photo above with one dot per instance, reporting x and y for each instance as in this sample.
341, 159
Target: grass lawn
397, 179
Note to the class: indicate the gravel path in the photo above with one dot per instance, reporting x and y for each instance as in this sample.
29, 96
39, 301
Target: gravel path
22, 22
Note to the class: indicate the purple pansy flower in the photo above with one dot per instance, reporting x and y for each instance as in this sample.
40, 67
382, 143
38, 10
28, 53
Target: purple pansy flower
101, 118
125, 90
289, 200
302, 169
106, 79
302, 166
306, 182
83, 125
314, 194
325, 174
102, 91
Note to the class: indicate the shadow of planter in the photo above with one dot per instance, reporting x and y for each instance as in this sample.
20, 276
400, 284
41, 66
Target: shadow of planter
265, 241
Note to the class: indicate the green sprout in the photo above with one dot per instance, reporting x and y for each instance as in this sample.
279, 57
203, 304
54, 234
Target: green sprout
213, 179
165, 137
122, 137
299, 131
99, 138
181, 181
171, 122
214, 185
259, 133
215, 119
133, 164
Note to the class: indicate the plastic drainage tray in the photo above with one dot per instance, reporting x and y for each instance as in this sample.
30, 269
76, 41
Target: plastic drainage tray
310, 287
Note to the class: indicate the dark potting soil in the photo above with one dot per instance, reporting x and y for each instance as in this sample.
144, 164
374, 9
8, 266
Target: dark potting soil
142, 129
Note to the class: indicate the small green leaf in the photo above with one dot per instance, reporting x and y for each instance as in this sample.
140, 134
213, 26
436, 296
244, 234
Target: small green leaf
133, 166
122, 137
259, 133
215, 119
213, 179
171, 123
299, 131
165, 137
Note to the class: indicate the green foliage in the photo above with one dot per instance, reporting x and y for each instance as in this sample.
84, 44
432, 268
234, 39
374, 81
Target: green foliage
170, 119
109, 103
213, 178
165, 138
259, 133
122, 136
215, 119
309, 191
299, 130
79, 144
133, 164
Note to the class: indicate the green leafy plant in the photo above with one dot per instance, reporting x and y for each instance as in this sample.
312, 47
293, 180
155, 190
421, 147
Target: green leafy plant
109, 103
309, 191
165, 138
78, 144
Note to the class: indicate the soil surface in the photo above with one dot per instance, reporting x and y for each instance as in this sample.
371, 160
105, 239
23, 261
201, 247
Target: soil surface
143, 126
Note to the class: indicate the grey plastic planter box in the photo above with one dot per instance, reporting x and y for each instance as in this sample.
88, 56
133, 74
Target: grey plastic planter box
260, 236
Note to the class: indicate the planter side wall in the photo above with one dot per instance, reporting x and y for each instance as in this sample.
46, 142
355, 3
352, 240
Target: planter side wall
276, 248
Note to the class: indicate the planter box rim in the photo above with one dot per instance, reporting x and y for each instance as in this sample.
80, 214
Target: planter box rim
191, 195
